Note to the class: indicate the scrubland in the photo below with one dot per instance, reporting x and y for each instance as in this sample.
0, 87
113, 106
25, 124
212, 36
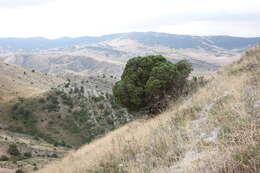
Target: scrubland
216, 129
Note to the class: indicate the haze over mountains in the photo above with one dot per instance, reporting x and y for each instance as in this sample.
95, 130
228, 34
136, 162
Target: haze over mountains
147, 38
107, 54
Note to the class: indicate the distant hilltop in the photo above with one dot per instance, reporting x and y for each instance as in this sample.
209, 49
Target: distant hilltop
147, 38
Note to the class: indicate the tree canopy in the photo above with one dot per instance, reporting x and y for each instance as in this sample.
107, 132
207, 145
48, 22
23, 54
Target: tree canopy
146, 80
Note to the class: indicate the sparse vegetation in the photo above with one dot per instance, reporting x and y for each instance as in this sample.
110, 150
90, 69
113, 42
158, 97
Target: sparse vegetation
4, 158
214, 129
27, 155
19, 171
13, 150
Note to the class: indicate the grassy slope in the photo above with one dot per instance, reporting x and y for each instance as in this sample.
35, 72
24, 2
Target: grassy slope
215, 130
16, 82
64, 119
59, 118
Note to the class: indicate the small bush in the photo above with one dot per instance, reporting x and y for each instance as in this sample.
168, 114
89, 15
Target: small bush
41, 100
19, 171
51, 107
54, 155
4, 158
28, 155
98, 99
13, 150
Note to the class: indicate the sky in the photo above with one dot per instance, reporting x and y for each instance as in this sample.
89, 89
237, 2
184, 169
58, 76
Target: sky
74, 18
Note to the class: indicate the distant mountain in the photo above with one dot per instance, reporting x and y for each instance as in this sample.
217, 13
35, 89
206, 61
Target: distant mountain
108, 54
147, 38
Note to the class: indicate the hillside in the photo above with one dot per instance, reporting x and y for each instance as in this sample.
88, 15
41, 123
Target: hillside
20, 83
16, 82
44, 116
215, 129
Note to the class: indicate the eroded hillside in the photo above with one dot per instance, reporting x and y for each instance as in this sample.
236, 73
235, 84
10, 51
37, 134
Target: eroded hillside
215, 129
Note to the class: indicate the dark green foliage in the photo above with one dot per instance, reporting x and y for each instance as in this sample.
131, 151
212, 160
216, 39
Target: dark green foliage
147, 80
20, 111
67, 85
67, 100
13, 150
19, 171
54, 155
27, 155
62, 144
41, 100
52, 107
53, 98
4, 158
98, 98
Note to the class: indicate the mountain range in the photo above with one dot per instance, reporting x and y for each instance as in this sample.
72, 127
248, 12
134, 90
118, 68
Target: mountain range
147, 38
108, 54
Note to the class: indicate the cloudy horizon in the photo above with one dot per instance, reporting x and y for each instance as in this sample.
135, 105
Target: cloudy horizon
75, 18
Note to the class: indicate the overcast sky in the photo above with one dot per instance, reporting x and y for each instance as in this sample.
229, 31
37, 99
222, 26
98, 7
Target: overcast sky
58, 18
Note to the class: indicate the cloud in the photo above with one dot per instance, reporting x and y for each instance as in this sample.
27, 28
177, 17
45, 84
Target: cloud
22, 3
58, 18
202, 17
203, 23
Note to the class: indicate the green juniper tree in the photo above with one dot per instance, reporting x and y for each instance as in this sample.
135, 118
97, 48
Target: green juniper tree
147, 80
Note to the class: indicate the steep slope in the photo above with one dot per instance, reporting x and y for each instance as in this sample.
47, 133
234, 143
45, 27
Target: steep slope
19, 83
44, 116
16, 82
34, 153
214, 130
61, 61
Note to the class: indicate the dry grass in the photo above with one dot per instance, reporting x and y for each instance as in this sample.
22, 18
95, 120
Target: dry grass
16, 82
215, 130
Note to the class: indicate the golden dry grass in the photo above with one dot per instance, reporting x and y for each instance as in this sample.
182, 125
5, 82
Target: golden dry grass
16, 82
214, 130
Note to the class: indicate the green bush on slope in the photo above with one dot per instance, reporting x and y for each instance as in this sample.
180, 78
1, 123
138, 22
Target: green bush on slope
147, 80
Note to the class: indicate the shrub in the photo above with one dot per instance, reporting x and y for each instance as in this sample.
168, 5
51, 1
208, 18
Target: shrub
98, 98
54, 155
41, 100
67, 100
19, 171
4, 158
52, 107
13, 150
27, 155
147, 80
